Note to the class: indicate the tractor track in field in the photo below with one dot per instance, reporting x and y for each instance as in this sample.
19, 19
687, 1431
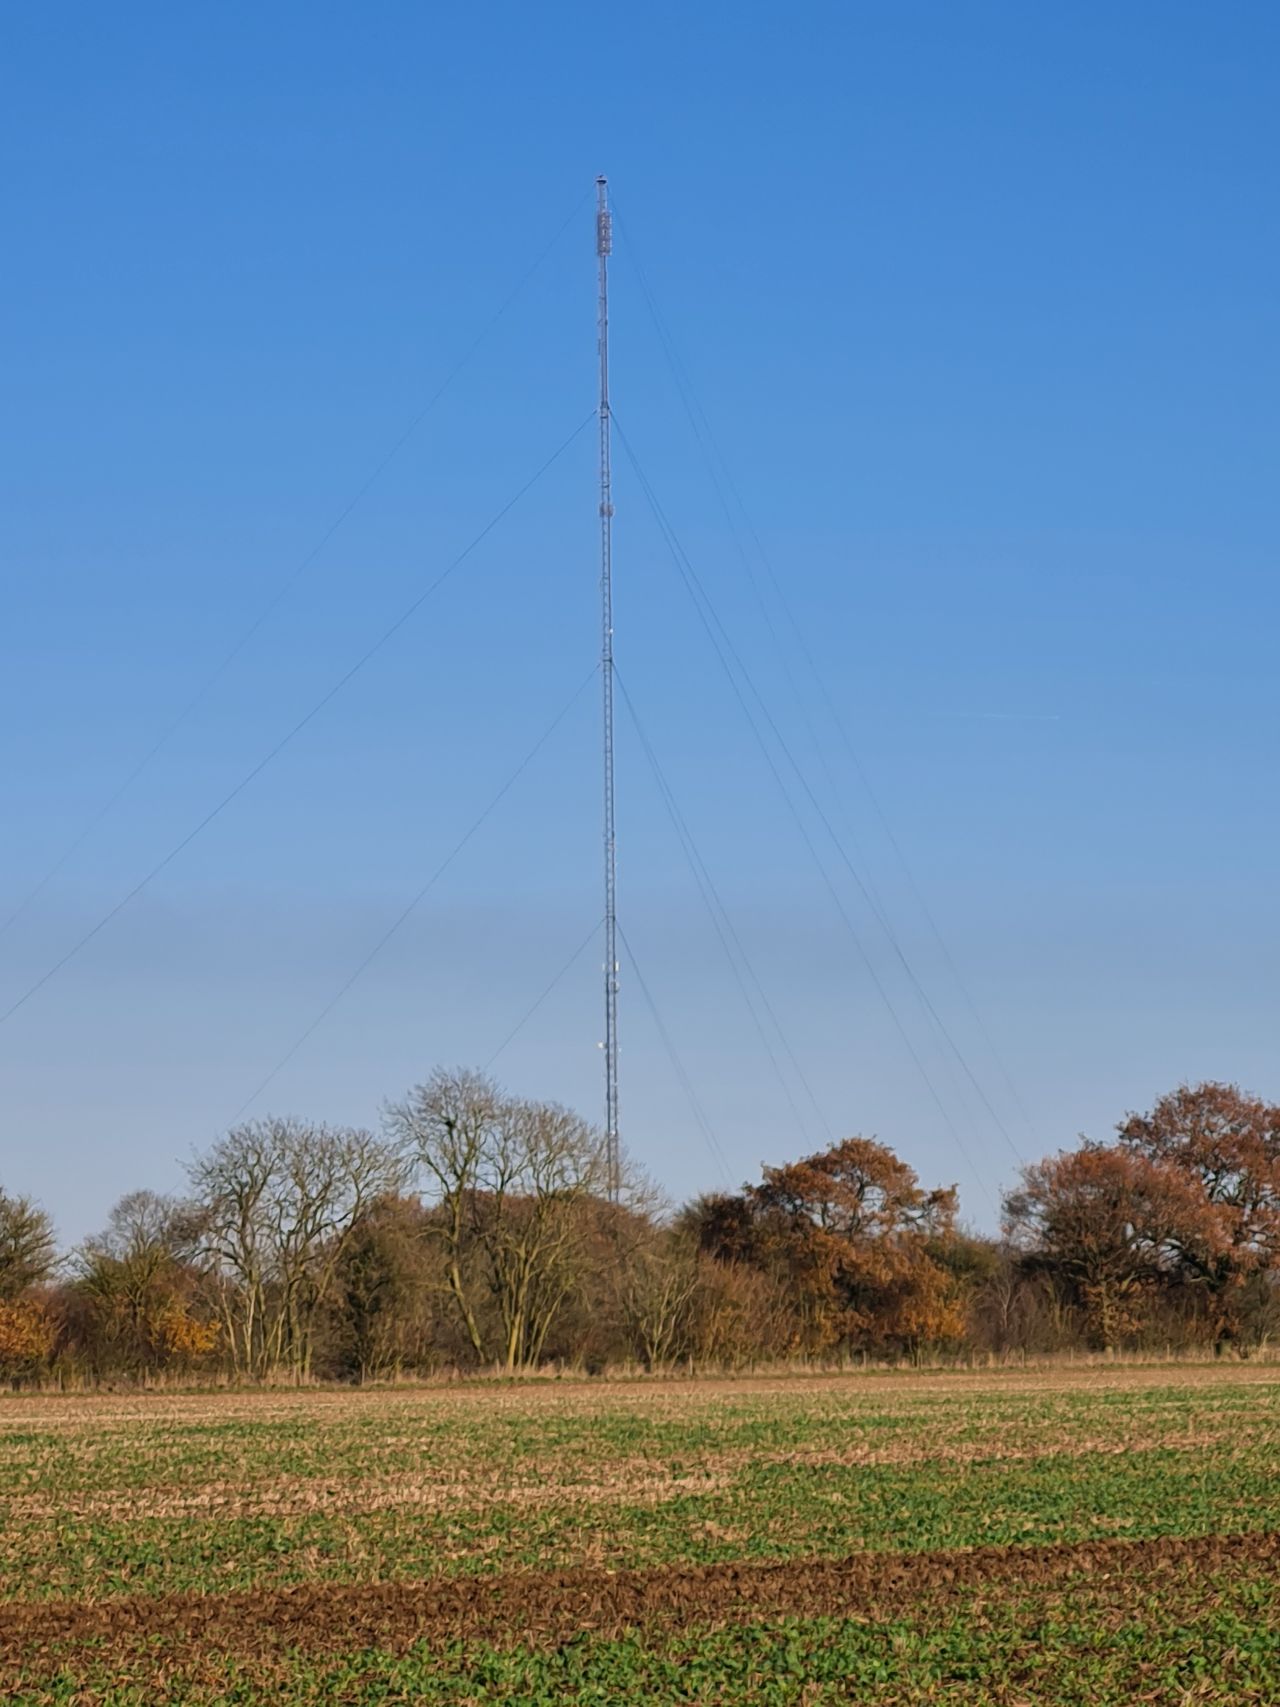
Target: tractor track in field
547, 1609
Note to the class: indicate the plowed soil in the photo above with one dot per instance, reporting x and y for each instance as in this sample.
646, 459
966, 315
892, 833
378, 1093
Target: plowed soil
551, 1608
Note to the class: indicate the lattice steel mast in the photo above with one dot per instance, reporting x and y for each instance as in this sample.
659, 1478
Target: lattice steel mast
604, 247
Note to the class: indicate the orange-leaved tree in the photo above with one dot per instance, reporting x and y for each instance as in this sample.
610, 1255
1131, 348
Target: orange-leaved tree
1098, 1219
849, 1228
27, 1336
1223, 1146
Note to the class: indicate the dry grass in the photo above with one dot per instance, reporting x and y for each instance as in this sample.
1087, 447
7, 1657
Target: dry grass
582, 1394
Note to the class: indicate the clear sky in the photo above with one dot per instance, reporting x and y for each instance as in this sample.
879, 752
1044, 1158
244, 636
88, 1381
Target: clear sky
980, 304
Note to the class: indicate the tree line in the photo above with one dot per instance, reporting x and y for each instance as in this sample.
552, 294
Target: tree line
474, 1230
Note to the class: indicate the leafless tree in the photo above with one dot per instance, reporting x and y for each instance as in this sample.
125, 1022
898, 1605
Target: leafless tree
28, 1250
657, 1278
277, 1201
443, 1128
512, 1184
547, 1164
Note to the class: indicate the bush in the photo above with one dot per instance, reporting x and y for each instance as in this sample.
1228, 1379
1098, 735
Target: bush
27, 1336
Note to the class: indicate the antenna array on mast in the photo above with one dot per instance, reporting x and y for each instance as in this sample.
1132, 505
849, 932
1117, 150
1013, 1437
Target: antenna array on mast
604, 247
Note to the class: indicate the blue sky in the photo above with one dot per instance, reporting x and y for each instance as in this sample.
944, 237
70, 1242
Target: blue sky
979, 303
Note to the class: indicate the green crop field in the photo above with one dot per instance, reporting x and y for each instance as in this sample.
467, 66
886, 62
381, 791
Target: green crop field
1085, 1535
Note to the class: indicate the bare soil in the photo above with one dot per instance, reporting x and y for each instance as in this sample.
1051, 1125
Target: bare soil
551, 1608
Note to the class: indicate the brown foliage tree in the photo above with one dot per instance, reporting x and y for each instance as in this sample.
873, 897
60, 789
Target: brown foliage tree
1224, 1146
382, 1319
1181, 1215
27, 1336
1096, 1217
850, 1228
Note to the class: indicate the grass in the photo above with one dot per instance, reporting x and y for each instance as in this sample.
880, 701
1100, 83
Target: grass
156, 1496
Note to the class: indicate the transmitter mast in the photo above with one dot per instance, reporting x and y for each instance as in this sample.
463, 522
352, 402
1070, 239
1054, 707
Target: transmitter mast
604, 248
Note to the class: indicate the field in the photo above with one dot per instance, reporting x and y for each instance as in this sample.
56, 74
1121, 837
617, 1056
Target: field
1085, 1536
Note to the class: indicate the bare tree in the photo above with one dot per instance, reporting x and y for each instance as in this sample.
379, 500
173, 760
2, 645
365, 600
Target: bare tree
657, 1280
544, 1169
136, 1289
443, 1128
28, 1251
277, 1202
144, 1228
513, 1183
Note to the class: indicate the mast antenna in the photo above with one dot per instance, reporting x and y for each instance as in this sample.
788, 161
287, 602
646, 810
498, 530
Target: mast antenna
604, 248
